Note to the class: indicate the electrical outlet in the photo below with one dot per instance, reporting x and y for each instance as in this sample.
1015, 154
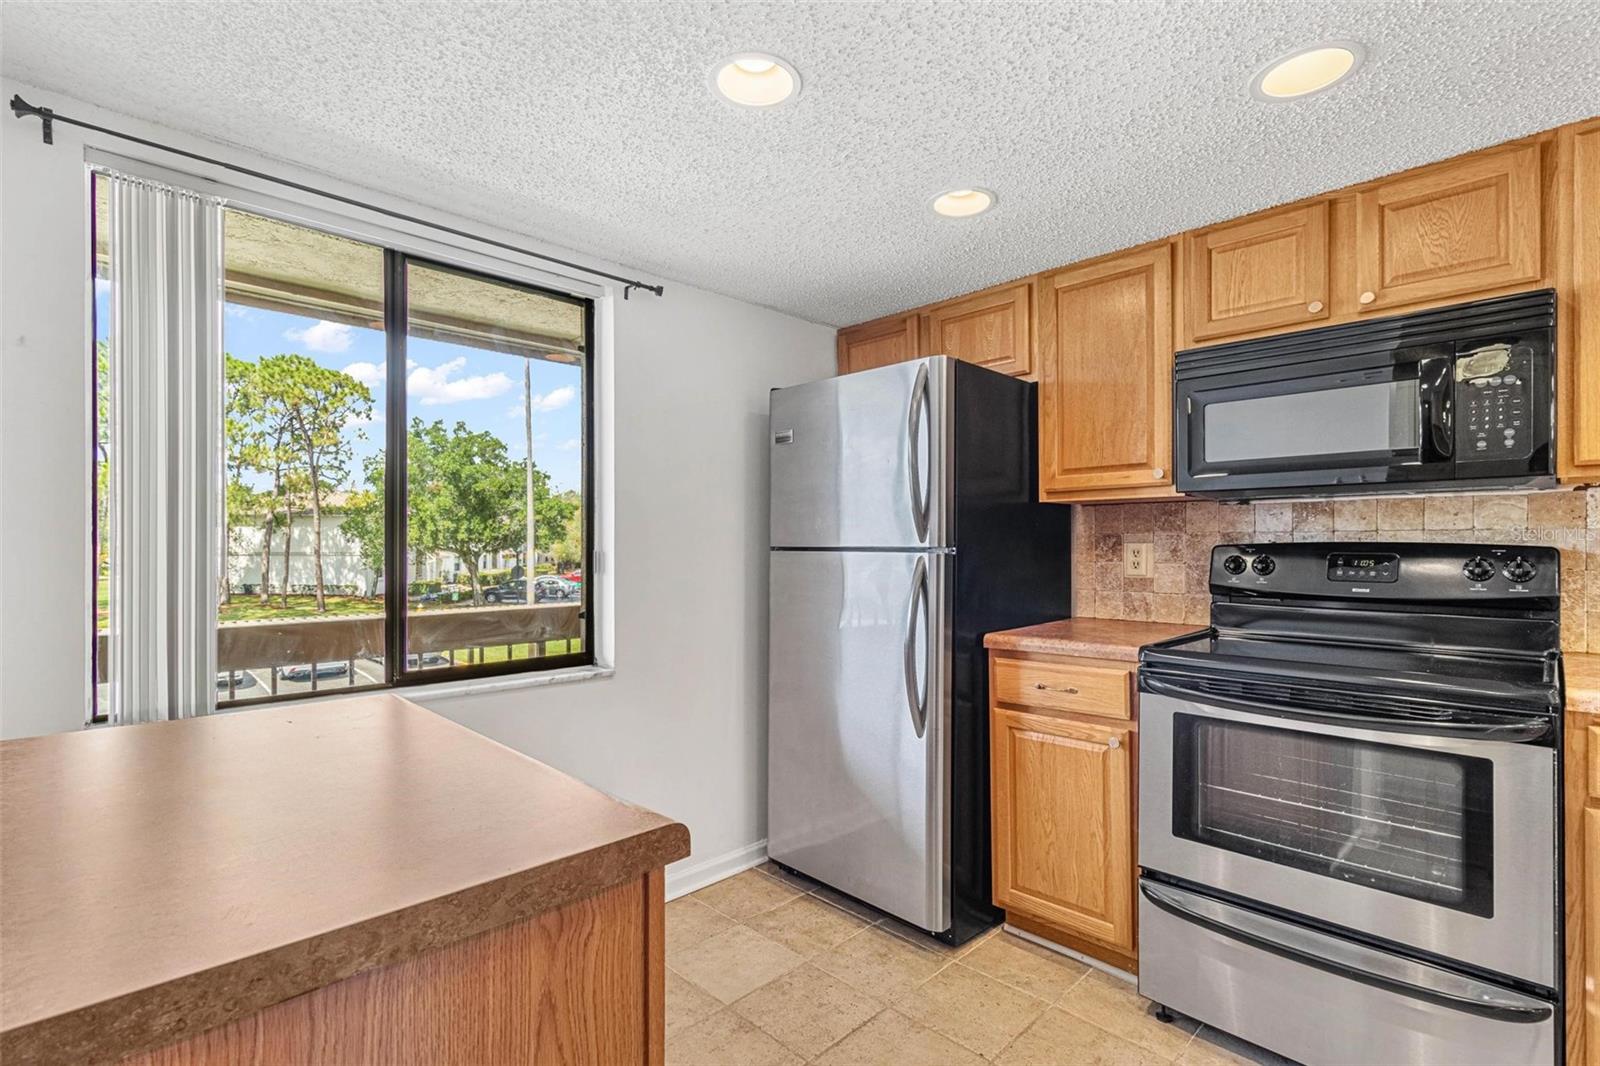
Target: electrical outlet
1136, 558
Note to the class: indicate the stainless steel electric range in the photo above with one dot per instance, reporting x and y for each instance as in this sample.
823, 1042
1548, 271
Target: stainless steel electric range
1349, 827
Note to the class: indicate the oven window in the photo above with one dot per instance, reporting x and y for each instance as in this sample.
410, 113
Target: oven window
1384, 417
1408, 821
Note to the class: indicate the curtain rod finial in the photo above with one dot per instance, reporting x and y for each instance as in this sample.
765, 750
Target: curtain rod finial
22, 109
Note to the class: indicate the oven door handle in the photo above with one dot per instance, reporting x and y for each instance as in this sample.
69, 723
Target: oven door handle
1347, 958
1508, 730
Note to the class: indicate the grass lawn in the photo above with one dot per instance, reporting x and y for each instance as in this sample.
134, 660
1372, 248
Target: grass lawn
497, 654
247, 608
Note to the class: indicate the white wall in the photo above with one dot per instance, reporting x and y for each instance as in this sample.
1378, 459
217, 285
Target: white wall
680, 727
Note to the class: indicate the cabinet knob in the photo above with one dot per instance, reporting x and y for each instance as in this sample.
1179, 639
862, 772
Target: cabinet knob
1158, 473
1368, 297
1314, 306
1114, 743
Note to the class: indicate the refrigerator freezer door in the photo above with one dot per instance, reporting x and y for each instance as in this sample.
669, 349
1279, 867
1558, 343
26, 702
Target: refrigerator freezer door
861, 460
858, 734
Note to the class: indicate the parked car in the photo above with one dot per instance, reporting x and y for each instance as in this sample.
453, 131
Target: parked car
551, 588
302, 671
426, 659
513, 591
574, 576
241, 679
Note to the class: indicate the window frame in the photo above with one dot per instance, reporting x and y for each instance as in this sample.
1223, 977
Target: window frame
424, 248
396, 324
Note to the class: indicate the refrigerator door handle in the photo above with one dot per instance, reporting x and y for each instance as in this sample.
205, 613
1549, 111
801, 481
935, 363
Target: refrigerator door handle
920, 499
916, 697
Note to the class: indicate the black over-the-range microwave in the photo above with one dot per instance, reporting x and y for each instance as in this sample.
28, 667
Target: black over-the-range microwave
1451, 399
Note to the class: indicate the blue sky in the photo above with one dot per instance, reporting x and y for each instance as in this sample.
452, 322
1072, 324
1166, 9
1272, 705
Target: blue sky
447, 382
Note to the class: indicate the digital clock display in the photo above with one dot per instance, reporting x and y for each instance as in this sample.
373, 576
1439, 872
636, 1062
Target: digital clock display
1363, 567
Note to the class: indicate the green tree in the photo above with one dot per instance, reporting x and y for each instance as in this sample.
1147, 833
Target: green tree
465, 495
313, 404
567, 548
363, 521
256, 430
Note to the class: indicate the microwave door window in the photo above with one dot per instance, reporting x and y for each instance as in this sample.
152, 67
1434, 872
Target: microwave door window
1357, 420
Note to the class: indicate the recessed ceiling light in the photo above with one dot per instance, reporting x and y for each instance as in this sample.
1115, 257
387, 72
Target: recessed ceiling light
1308, 70
963, 203
755, 79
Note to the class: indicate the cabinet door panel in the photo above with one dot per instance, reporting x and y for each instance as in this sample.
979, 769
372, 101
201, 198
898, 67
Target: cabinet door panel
993, 329
1063, 827
1264, 273
1452, 230
878, 343
1579, 390
1105, 394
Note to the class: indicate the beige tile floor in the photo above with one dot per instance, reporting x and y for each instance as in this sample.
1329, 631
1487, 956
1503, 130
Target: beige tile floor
766, 969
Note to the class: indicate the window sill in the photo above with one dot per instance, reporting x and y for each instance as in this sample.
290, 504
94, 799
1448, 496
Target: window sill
477, 686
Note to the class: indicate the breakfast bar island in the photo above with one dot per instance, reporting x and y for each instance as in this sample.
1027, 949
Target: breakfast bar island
358, 880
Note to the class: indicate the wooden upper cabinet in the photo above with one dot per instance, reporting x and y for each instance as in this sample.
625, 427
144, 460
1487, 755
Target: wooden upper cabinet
993, 328
879, 343
1578, 350
1063, 823
1454, 229
1266, 272
1105, 391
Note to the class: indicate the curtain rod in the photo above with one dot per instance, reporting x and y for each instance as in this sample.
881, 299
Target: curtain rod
48, 117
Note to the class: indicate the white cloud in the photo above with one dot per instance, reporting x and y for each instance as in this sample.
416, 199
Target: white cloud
325, 336
439, 385
555, 399
569, 445
367, 373
237, 311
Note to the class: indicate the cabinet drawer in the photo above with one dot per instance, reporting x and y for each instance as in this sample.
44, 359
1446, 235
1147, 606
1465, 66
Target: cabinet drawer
1078, 687
1594, 768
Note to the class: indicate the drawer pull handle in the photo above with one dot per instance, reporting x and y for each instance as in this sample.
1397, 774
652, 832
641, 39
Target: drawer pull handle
1068, 689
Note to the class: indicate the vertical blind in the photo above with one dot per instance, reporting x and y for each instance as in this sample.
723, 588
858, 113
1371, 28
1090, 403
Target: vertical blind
165, 433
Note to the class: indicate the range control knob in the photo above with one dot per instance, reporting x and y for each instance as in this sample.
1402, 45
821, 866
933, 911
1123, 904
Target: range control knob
1263, 565
1234, 564
1478, 568
1520, 570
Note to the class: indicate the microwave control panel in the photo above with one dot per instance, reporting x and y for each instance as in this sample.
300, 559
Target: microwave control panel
1493, 397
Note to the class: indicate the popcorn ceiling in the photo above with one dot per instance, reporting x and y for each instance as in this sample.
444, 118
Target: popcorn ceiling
591, 125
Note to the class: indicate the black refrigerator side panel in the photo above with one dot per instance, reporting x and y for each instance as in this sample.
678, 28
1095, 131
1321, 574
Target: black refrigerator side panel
1012, 568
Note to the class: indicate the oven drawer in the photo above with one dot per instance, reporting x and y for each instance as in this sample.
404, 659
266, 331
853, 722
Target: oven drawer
1079, 687
1321, 999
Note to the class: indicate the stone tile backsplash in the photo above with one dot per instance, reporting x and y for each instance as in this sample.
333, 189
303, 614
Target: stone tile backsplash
1182, 533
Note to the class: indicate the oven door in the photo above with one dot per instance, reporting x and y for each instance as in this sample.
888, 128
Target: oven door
1446, 844
1365, 424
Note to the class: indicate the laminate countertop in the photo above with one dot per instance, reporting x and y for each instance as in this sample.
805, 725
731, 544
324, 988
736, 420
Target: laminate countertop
1089, 638
162, 879
1582, 671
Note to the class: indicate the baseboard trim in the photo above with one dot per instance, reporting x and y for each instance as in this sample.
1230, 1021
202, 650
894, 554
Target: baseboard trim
687, 875
1062, 949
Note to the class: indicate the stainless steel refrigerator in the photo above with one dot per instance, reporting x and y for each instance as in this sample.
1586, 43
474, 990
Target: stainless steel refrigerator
905, 524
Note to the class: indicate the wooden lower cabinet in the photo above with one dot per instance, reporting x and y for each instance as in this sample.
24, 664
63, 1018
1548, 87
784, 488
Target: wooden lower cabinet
581, 984
1062, 806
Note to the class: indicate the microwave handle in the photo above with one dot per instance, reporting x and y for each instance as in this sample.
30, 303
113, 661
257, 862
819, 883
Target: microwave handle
1437, 399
